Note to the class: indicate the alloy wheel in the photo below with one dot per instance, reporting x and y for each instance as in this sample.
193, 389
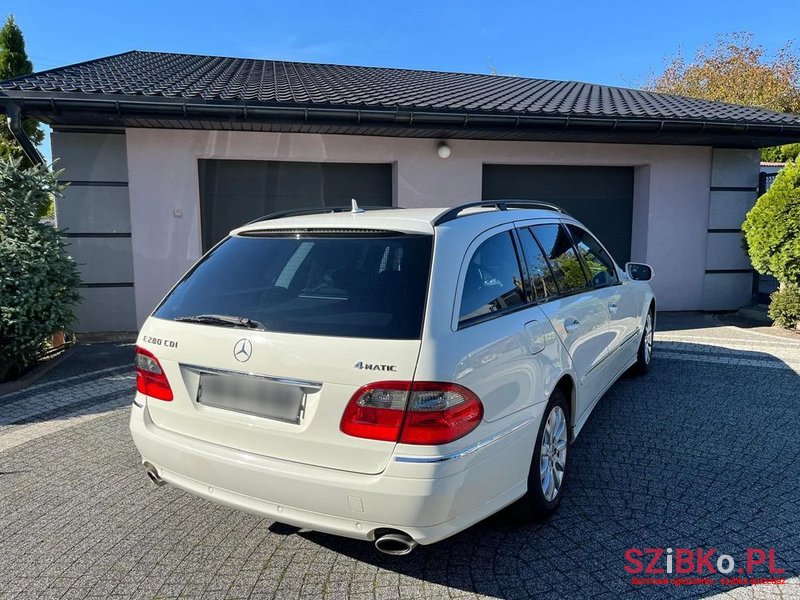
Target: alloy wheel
648, 338
553, 453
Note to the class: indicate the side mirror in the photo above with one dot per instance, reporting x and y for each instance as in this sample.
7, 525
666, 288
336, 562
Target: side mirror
639, 271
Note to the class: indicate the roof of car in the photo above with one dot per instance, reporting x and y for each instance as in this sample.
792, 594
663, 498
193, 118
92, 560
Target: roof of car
406, 220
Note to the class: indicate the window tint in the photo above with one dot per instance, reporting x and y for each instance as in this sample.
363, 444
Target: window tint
598, 262
561, 255
493, 281
349, 285
539, 274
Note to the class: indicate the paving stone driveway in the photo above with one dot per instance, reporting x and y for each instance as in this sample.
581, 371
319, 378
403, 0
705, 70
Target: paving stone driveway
703, 452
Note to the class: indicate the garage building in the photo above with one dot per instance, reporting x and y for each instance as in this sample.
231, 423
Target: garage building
165, 153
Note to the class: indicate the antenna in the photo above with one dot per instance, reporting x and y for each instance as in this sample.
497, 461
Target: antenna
355, 209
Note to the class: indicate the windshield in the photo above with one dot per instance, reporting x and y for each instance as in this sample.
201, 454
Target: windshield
346, 285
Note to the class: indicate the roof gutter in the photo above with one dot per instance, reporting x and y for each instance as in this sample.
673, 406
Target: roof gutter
14, 121
109, 111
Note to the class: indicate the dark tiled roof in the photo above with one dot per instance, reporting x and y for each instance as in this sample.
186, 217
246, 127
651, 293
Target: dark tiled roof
154, 89
209, 78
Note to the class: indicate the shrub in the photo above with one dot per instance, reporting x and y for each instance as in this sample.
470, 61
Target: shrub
38, 281
772, 227
784, 307
781, 153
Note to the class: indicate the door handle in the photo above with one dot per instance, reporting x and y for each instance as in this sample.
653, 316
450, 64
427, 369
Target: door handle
572, 325
612, 307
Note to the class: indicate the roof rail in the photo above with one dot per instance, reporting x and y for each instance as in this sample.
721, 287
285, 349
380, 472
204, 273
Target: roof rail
455, 212
296, 212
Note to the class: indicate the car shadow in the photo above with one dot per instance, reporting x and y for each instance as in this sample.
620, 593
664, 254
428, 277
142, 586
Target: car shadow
686, 321
700, 453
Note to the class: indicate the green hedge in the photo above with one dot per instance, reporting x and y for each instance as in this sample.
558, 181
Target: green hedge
784, 307
38, 281
772, 228
772, 238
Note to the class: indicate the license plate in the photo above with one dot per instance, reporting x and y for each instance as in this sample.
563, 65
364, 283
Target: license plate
251, 395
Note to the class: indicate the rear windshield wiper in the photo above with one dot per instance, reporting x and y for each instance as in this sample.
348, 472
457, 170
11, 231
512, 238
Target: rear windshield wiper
223, 320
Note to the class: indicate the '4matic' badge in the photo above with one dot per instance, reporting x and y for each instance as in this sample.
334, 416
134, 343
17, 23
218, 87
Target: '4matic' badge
375, 367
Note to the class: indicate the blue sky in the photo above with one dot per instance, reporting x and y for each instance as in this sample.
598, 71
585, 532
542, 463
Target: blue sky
616, 43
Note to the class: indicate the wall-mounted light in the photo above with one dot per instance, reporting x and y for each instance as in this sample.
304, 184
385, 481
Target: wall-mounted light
443, 150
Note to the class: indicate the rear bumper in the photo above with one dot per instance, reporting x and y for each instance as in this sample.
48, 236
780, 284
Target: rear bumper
428, 502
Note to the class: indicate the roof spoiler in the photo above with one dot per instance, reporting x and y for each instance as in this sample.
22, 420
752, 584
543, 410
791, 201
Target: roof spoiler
318, 211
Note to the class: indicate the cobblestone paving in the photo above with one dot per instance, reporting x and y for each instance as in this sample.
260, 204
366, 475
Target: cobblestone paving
702, 452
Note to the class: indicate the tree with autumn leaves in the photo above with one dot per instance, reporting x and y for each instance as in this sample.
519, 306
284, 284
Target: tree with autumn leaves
738, 71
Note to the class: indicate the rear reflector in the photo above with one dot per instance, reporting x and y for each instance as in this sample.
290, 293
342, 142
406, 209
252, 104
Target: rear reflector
423, 412
150, 378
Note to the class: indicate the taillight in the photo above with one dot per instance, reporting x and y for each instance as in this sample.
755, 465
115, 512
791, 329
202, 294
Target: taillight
423, 412
376, 411
150, 378
438, 413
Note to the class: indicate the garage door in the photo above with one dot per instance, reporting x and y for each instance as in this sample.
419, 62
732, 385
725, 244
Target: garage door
233, 192
599, 197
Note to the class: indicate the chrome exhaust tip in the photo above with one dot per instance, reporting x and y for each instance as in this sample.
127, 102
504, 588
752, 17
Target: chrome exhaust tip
152, 473
396, 544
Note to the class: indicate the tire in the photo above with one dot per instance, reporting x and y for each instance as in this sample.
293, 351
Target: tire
644, 357
541, 500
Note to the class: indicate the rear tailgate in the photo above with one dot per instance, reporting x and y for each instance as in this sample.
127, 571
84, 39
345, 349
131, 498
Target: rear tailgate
335, 365
300, 321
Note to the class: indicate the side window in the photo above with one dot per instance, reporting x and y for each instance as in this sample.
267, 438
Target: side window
541, 278
493, 280
563, 258
598, 262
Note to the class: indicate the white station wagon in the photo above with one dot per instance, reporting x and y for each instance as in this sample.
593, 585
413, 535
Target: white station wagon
389, 375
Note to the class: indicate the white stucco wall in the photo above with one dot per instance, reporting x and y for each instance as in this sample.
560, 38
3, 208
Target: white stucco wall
95, 211
734, 188
671, 193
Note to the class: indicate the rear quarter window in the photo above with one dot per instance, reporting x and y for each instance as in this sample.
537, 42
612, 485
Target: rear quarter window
493, 281
346, 285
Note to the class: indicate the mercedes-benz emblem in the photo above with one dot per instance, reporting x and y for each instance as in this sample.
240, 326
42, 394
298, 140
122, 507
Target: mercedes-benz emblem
243, 350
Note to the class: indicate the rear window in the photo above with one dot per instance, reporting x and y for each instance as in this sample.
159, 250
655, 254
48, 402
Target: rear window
350, 285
